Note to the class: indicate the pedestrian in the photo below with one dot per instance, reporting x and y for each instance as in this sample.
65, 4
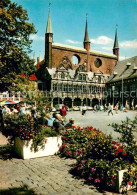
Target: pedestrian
116, 108
105, 108
63, 112
84, 109
110, 109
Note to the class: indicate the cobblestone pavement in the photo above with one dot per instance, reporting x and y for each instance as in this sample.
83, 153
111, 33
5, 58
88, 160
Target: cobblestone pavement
46, 176
101, 120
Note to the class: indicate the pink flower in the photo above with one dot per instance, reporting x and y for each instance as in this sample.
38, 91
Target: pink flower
75, 153
112, 182
73, 166
83, 161
107, 183
63, 145
93, 169
114, 177
46, 140
97, 181
60, 147
102, 177
68, 152
90, 178
130, 183
78, 168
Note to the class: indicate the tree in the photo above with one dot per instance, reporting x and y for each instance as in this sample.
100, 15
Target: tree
15, 43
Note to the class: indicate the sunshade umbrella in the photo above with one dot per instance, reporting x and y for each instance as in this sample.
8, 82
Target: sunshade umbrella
7, 102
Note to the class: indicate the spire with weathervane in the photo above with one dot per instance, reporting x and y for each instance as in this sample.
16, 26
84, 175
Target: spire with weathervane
116, 47
48, 42
86, 42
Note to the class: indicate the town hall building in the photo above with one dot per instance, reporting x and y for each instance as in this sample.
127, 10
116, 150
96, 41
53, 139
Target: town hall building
78, 76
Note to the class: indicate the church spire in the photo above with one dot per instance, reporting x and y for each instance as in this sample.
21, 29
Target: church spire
116, 46
116, 40
49, 27
48, 42
86, 37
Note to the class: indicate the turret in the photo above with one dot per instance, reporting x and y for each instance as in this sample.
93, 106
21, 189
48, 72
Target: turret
48, 43
116, 47
86, 42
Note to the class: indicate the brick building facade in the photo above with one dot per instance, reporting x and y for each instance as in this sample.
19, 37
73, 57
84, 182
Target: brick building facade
80, 81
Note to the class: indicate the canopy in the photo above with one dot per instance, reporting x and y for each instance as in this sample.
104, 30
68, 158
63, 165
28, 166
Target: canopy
7, 102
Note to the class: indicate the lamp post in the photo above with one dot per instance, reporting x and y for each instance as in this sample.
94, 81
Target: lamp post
113, 89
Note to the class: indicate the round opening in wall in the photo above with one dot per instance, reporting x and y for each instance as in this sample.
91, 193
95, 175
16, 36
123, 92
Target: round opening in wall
97, 62
75, 59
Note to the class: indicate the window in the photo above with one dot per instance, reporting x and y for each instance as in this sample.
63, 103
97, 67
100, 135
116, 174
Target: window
75, 88
69, 88
97, 62
84, 77
75, 59
54, 87
63, 75
80, 77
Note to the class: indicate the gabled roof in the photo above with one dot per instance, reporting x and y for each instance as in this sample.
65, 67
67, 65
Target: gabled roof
122, 70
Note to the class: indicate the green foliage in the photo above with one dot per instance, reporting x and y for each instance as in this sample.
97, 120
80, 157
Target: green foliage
126, 130
14, 43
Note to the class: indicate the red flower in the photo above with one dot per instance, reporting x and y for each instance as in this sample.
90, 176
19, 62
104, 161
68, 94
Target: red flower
83, 161
73, 127
117, 144
75, 153
116, 152
114, 147
114, 142
67, 127
124, 154
120, 150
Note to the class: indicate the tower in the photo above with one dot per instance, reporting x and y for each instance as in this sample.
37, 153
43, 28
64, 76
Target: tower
86, 42
48, 43
116, 47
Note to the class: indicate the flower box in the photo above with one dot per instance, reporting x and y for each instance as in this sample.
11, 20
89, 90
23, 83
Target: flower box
119, 180
22, 147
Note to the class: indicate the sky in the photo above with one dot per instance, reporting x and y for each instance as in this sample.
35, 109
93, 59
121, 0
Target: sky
68, 23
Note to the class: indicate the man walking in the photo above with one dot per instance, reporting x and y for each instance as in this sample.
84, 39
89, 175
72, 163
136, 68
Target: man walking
110, 109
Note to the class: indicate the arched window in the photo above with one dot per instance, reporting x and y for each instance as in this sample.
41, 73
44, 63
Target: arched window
99, 79
80, 77
84, 77
63, 75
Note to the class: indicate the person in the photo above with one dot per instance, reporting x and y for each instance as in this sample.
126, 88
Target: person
71, 122
121, 108
63, 112
58, 122
116, 108
105, 108
110, 109
84, 109
1, 118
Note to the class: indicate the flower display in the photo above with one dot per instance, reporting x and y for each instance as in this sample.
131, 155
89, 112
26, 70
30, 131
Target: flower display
99, 157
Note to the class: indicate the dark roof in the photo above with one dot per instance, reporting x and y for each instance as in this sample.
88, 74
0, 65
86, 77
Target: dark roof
128, 71
86, 38
116, 41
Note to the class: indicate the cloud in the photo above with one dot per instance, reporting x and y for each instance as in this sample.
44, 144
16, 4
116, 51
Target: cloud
129, 44
122, 58
73, 42
107, 48
36, 37
102, 40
